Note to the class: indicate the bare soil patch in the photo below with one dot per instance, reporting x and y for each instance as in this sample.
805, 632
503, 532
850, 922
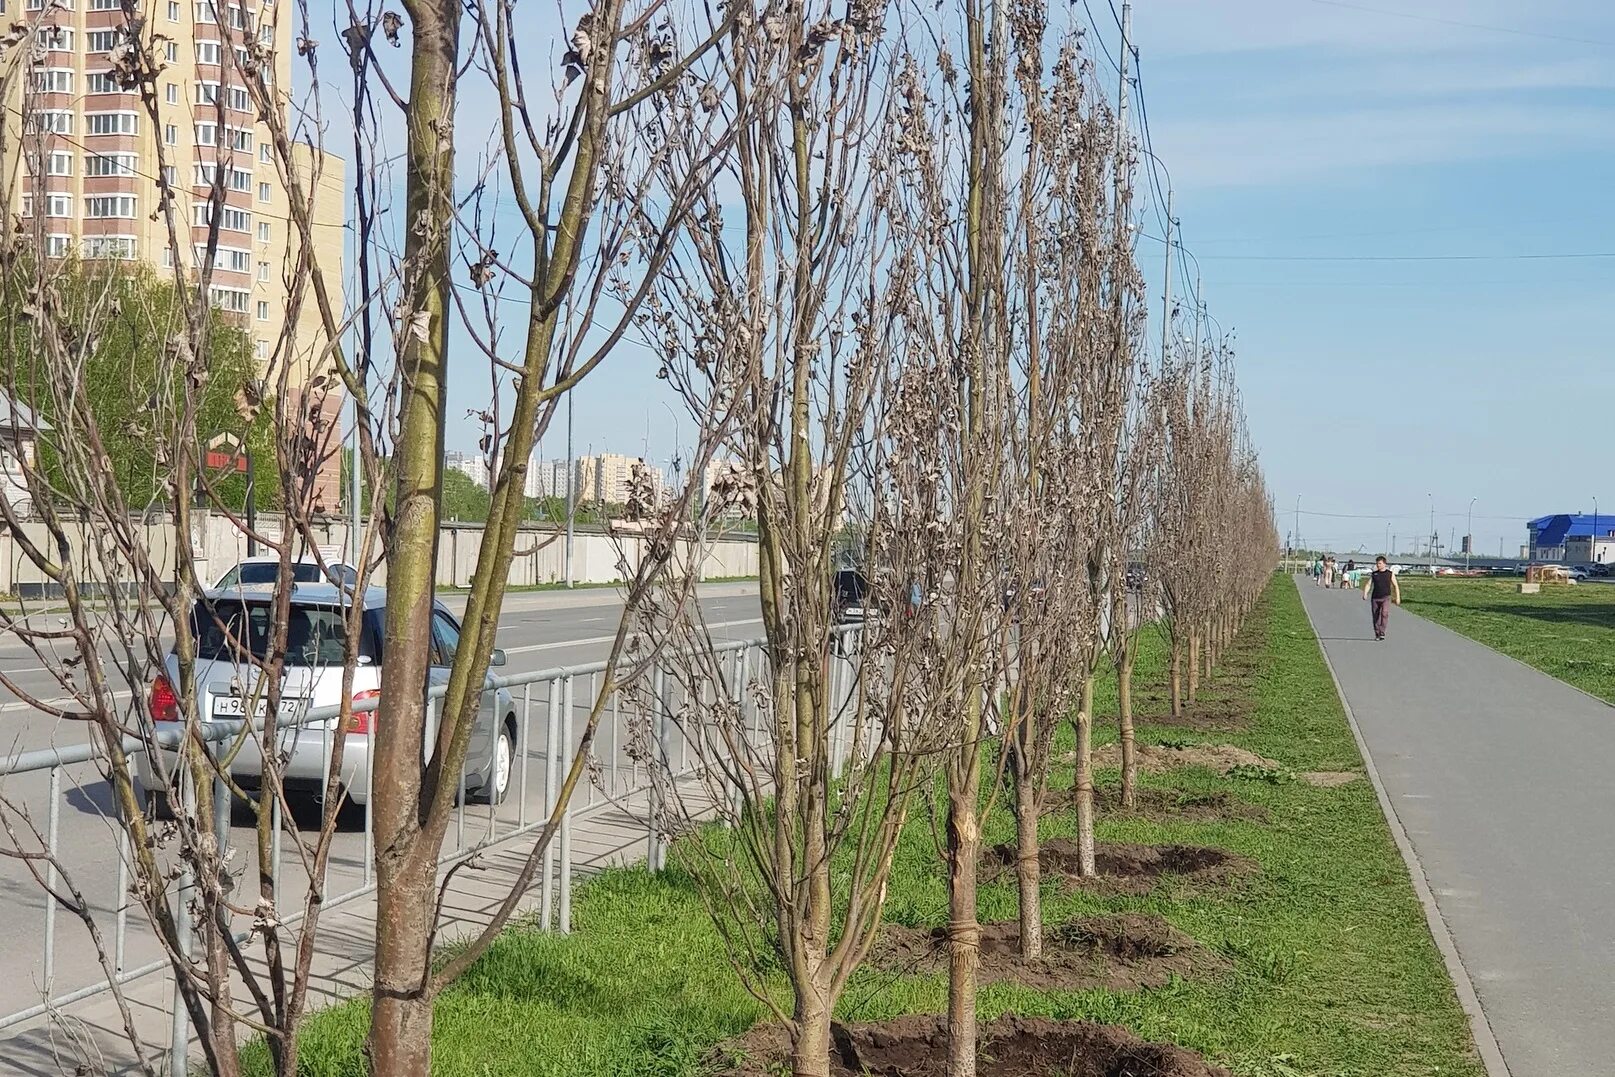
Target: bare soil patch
1124, 952
1203, 717
1012, 1046
1329, 779
1127, 868
1165, 805
1157, 758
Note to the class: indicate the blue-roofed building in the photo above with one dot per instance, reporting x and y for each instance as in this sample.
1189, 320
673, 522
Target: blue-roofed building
1573, 537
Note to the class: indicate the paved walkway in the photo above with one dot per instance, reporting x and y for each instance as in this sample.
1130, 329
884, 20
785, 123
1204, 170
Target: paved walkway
1503, 779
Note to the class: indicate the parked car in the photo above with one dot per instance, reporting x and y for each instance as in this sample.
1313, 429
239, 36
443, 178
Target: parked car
265, 570
1598, 571
1136, 577
851, 597
1576, 572
229, 623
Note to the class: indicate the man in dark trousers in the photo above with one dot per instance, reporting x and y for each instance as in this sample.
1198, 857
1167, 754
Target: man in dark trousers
1380, 590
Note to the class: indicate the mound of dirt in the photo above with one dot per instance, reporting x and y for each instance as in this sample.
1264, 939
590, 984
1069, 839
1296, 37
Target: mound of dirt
1012, 1046
1125, 952
1156, 758
1165, 805
1125, 868
1329, 779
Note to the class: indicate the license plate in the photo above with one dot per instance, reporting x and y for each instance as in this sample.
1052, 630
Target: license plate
236, 707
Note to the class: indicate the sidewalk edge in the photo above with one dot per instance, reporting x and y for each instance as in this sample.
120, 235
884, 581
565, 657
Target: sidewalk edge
1491, 1054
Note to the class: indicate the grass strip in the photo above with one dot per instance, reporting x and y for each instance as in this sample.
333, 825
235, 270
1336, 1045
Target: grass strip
1566, 631
1333, 970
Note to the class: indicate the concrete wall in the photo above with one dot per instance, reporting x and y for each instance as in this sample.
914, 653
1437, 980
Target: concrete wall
540, 553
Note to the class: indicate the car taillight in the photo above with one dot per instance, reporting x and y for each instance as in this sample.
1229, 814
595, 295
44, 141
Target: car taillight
164, 705
363, 723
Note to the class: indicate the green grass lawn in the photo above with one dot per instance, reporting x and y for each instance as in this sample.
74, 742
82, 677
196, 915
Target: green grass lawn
1333, 973
1566, 631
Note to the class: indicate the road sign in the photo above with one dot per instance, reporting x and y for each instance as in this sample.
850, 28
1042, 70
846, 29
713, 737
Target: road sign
223, 461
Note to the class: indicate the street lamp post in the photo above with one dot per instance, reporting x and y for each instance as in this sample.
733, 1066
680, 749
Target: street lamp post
1595, 530
1432, 550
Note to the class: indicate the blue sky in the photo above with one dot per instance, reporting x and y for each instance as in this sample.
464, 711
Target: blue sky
1305, 131
1304, 138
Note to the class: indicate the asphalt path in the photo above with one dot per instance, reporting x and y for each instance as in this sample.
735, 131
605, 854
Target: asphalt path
538, 631
1500, 776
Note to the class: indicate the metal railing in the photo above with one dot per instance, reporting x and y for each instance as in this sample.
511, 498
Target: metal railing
617, 776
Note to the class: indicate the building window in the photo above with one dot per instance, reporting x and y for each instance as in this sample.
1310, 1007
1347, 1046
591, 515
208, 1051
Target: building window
110, 164
239, 180
263, 274
111, 123
265, 192
168, 257
122, 247
105, 5
233, 300
263, 310
54, 80
58, 205
207, 93
263, 231
260, 348
172, 52
102, 40
231, 219
240, 139
173, 10
50, 120
102, 82
171, 135
266, 34
229, 258
171, 92
27, 205
240, 100
102, 207
59, 164
263, 154
204, 12
207, 134
57, 38
170, 174
57, 245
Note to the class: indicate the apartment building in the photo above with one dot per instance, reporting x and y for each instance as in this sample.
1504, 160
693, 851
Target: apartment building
87, 158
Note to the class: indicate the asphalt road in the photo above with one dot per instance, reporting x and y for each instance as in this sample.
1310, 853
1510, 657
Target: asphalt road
1500, 776
539, 630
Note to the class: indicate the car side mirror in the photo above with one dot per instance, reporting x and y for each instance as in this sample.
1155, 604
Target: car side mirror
497, 658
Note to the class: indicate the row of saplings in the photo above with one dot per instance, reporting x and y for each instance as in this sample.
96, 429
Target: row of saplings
1115, 952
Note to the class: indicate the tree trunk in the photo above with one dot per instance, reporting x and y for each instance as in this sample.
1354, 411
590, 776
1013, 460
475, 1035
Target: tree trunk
1194, 663
1084, 785
964, 930
1028, 870
400, 1039
401, 1013
810, 1046
1124, 714
1177, 679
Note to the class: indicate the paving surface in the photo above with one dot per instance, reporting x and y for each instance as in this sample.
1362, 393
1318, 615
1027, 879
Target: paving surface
538, 631
1503, 779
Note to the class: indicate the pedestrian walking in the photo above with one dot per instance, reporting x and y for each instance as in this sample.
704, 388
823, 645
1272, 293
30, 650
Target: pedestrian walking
1317, 572
1379, 592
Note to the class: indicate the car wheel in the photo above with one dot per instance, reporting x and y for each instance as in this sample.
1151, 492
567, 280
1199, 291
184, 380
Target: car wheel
500, 768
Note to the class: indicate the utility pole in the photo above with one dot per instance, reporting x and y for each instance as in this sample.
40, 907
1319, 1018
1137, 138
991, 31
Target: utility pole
1298, 521
1166, 299
571, 488
1433, 537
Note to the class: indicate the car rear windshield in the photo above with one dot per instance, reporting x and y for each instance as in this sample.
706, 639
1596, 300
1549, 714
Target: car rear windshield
267, 572
315, 635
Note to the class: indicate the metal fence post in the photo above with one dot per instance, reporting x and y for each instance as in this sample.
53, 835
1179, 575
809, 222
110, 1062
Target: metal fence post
180, 1028
552, 736
657, 770
564, 916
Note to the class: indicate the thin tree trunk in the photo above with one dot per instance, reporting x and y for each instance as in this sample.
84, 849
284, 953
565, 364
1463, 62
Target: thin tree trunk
810, 1050
400, 1040
1028, 871
1084, 785
964, 930
1194, 663
1177, 679
1124, 713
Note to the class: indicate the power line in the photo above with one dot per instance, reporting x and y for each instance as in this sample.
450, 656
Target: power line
1407, 257
1466, 25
